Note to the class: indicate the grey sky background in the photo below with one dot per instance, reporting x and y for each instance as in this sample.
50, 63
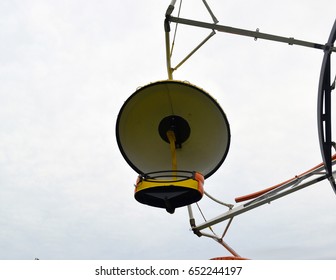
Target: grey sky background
66, 67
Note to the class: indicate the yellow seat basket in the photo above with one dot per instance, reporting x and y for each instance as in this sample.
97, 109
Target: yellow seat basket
169, 189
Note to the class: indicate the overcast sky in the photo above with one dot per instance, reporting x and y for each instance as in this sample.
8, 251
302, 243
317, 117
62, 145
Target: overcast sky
67, 66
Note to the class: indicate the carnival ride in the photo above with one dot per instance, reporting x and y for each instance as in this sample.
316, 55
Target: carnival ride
175, 135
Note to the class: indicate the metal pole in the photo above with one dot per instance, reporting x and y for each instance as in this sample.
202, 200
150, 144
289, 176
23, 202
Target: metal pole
215, 20
168, 58
170, 9
248, 33
193, 51
251, 205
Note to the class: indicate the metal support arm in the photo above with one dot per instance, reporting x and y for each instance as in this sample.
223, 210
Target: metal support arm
248, 33
285, 189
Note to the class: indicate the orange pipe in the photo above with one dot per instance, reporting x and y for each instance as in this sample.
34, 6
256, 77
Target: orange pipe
261, 192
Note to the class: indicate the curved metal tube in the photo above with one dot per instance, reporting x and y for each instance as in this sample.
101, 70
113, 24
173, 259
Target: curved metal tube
324, 108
